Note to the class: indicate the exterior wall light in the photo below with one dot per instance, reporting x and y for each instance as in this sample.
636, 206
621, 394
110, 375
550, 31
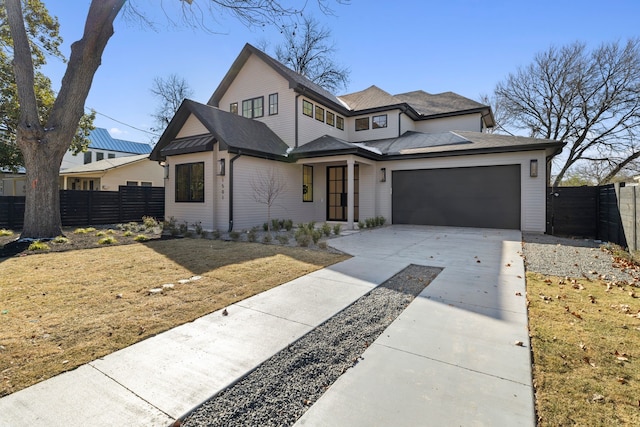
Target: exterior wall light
533, 168
166, 171
383, 174
221, 167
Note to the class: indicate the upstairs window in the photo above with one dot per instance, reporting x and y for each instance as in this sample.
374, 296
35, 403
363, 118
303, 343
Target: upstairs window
319, 113
307, 183
340, 122
252, 108
307, 108
378, 122
273, 104
331, 118
362, 123
190, 182
87, 157
111, 156
99, 156
233, 107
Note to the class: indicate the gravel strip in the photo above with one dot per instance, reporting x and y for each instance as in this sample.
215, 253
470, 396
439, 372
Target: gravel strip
565, 257
281, 389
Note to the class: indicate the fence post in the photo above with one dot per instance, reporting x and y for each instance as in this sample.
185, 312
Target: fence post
634, 228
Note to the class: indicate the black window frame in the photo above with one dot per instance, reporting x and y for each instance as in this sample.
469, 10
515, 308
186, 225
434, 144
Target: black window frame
233, 108
273, 106
111, 155
374, 125
361, 120
331, 122
340, 122
253, 107
320, 110
307, 106
88, 157
99, 156
195, 194
307, 183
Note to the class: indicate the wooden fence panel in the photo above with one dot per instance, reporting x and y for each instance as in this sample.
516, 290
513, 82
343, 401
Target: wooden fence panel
93, 207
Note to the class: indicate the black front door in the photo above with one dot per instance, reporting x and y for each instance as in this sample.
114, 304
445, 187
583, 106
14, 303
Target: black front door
337, 193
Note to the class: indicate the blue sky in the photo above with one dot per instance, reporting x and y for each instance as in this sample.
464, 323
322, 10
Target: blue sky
463, 46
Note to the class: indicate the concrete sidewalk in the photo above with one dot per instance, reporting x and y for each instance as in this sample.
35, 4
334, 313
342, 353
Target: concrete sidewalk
448, 359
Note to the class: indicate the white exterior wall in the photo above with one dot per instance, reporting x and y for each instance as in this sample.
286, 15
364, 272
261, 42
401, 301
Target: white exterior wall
533, 199
192, 212
256, 79
192, 127
391, 131
468, 122
70, 160
309, 128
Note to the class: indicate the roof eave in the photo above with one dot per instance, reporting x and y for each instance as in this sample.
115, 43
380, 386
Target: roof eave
340, 152
474, 151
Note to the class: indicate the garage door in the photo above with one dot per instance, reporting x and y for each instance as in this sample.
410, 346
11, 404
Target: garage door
468, 197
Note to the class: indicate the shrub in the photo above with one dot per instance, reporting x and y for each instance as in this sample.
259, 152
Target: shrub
316, 235
275, 225
110, 231
127, 233
267, 238
5, 232
235, 236
100, 233
311, 225
109, 240
198, 227
381, 220
169, 224
322, 245
39, 246
141, 238
283, 239
360, 225
188, 233
265, 226
174, 231
303, 239
183, 227
252, 235
60, 239
288, 224
336, 229
369, 222
326, 229
215, 234
80, 231
91, 229
149, 222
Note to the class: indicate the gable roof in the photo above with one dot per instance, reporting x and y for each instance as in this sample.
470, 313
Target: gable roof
297, 82
372, 97
233, 132
105, 165
102, 140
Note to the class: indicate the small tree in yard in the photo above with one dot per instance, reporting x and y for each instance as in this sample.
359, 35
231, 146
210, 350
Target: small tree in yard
267, 187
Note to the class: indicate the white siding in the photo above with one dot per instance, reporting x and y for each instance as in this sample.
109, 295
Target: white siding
532, 189
391, 131
256, 79
192, 212
309, 128
468, 122
192, 126
70, 160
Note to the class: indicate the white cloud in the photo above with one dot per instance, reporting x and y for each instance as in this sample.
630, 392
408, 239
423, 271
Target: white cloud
116, 132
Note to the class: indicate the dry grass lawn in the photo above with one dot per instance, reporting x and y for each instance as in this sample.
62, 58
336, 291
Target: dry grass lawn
585, 337
60, 310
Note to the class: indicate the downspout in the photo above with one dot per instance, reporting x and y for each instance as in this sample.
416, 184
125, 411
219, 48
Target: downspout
400, 124
231, 190
296, 121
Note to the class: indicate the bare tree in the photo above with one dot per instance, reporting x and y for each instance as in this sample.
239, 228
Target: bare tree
588, 99
267, 187
309, 51
170, 91
44, 142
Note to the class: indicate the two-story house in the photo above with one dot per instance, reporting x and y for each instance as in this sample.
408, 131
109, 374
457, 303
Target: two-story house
414, 158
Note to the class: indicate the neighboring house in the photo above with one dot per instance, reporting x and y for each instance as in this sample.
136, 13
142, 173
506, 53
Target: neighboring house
12, 183
414, 158
109, 174
103, 146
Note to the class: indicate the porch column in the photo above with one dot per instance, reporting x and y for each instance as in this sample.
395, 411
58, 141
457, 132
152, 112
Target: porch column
350, 196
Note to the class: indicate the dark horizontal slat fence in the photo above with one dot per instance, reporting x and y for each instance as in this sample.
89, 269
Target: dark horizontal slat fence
127, 204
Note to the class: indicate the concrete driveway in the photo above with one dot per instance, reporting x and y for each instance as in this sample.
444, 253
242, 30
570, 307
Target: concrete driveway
448, 359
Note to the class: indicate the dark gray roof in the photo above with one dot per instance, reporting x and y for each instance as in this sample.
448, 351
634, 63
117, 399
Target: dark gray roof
417, 144
296, 81
427, 104
192, 144
372, 97
235, 133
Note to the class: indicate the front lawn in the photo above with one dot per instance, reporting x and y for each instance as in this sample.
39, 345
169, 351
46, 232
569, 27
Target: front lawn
59, 310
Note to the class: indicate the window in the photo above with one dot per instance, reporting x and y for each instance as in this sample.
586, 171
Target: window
132, 183
362, 123
87, 157
252, 108
111, 156
319, 113
146, 184
331, 118
307, 183
99, 156
233, 107
378, 122
190, 182
273, 104
340, 122
307, 108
